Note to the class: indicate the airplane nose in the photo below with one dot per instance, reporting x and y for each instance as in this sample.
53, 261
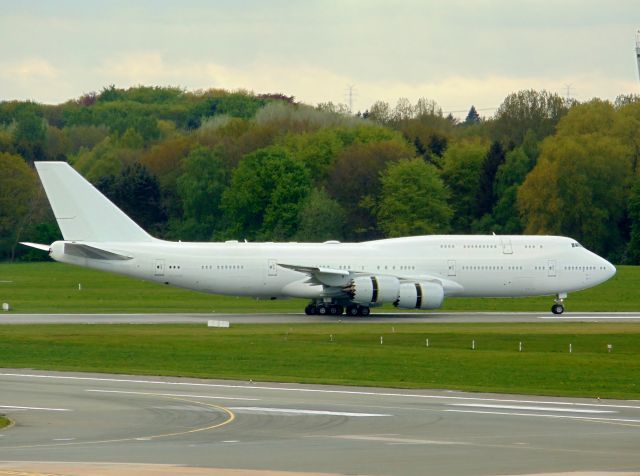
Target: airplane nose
610, 269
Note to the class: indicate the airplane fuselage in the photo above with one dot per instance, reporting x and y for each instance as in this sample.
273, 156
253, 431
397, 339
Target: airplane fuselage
466, 265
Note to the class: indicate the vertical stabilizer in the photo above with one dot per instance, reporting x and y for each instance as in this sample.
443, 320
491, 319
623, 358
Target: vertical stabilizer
82, 212
638, 50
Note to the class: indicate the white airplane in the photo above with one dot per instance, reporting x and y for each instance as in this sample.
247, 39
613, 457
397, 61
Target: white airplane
411, 273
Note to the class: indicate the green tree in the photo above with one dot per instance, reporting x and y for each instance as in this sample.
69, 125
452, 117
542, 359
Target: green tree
461, 171
18, 201
30, 134
509, 178
538, 111
321, 218
316, 150
472, 116
200, 189
265, 196
137, 193
486, 194
413, 200
354, 181
577, 189
632, 255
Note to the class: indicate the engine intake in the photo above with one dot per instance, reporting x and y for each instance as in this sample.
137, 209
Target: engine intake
422, 295
369, 290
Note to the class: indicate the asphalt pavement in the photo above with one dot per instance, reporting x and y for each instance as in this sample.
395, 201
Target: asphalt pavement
71, 423
289, 318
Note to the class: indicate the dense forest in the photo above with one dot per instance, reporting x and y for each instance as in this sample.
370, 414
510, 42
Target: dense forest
218, 165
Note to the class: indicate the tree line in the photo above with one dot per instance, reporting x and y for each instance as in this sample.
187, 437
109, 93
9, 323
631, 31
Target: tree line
218, 165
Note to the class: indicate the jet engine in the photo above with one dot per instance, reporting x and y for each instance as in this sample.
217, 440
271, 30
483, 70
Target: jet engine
371, 290
423, 295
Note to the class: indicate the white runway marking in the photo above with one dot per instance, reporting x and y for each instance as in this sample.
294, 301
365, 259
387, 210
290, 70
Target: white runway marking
520, 407
395, 440
553, 318
12, 407
174, 395
542, 415
292, 411
315, 390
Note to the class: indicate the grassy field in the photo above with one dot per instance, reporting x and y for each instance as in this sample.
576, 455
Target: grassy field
351, 354
53, 287
3, 422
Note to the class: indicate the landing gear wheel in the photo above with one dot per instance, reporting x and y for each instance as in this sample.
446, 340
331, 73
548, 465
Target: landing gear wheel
333, 310
557, 309
363, 311
311, 310
352, 310
322, 310
340, 310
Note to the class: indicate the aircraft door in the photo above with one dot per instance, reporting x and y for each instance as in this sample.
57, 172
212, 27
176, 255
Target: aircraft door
451, 267
272, 268
158, 268
551, 266
507, 249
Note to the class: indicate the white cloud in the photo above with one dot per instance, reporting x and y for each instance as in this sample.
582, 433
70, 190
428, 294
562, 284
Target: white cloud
30, 69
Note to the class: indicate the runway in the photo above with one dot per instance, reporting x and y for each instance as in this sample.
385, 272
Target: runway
431, 317
69, 423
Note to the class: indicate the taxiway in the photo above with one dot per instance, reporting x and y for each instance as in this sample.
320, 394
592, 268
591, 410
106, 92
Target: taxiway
103, 423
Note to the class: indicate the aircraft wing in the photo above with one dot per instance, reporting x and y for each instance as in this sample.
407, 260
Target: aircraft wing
332, 277
321, 275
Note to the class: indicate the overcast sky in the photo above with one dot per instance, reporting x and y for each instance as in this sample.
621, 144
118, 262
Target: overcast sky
455, 52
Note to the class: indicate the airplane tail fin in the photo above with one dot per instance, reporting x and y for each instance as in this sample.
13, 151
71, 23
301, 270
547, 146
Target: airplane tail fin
82, 212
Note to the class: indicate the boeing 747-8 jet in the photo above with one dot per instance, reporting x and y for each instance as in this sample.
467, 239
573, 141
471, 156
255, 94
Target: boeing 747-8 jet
416, 272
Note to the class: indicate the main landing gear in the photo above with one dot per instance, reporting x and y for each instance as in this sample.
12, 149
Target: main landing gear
333, 309
324, 309
558, 307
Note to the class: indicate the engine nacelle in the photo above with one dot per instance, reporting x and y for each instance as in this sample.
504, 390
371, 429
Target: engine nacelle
372, 290
423, 295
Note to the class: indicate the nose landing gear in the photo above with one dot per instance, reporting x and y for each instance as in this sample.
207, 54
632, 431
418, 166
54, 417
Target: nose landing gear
558, 307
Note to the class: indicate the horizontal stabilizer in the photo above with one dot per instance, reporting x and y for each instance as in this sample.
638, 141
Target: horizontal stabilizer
37, 246
91, 252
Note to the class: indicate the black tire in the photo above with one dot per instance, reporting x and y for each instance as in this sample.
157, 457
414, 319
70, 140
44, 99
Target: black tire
333, 310
352, 310
340, 310
557, 309
364, 311
311, 310
322, 310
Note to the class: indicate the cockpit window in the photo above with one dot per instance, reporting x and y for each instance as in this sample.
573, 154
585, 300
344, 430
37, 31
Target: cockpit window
575, 244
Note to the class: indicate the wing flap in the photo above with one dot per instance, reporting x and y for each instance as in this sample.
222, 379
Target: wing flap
321, 275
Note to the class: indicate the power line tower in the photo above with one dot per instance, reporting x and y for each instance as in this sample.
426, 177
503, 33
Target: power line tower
351, 94
638, 50
567, 88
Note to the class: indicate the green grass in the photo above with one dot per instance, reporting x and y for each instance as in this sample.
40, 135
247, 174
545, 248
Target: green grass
352, 356
53, 287
4, 422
